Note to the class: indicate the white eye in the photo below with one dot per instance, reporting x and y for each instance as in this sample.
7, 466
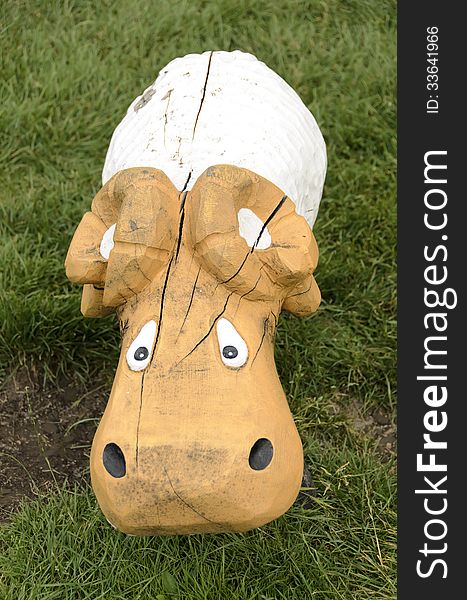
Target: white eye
234, 351
139, 353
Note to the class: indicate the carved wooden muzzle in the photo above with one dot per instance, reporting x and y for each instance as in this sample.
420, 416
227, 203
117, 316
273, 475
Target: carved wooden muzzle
197, 435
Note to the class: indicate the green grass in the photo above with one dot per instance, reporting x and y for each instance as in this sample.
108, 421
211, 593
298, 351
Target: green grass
68, 72
343, 548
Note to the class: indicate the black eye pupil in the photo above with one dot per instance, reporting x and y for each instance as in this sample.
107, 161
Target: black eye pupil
229, 352
141, 353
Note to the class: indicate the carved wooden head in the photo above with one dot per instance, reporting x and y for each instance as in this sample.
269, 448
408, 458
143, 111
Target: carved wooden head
197, 435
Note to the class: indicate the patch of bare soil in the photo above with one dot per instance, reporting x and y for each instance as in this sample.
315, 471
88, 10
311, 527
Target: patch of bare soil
46, 435
377, 426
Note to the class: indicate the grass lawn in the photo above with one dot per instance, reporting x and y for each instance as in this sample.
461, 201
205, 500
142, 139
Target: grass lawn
68, 72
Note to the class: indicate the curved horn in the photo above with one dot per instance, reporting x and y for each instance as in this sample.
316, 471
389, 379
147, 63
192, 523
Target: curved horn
125, 240
246, 232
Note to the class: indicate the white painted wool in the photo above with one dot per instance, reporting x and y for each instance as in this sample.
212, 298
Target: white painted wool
223, 108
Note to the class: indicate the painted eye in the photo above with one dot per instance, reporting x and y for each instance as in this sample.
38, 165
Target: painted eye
139, 353
234, 351
229, 352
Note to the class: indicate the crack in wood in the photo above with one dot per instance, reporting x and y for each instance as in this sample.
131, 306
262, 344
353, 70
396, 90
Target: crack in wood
190, 303
186, 182
210, 329
268, 220
237, 271
276, 317
164, 289
254, 287
265, 328
248, 292
182, 220
301, 293
203, 96
124, 325
152, 356
184, 501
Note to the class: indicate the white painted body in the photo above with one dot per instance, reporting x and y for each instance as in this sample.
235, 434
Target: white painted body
223, 108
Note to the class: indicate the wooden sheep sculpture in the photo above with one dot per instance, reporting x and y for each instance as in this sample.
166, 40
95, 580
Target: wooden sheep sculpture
199, 237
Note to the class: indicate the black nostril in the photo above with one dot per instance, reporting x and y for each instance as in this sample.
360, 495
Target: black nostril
114, 460
261, 454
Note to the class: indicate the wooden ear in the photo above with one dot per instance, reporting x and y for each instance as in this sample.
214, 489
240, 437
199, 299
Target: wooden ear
126, 239
227, 206
212, 215
298, 258
304, 303
91, 302
84, 263
145, 233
